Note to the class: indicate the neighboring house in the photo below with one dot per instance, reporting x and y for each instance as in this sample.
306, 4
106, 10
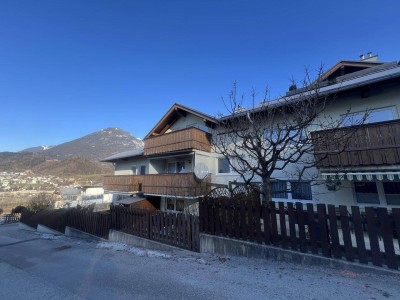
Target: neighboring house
83, 196
177, 164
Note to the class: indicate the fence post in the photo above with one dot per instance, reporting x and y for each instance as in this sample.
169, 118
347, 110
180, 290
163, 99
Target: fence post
148, 224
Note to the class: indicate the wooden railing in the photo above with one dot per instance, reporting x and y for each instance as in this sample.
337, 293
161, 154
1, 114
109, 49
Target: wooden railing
158, 184
122, 183
366, 145
185, 139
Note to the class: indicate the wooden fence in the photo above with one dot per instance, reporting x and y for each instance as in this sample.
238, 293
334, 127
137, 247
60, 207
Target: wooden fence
94, 223
9, 218
177, 229
368, 236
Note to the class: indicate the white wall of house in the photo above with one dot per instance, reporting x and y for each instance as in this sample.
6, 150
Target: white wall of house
126, 167
185, 122
380, 98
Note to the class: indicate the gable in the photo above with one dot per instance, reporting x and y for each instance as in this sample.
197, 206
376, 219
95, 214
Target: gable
346, 67
180, 117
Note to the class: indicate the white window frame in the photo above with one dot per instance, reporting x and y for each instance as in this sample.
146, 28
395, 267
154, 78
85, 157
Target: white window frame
175, 205
392, 108
381, 195
136, 170
231, 171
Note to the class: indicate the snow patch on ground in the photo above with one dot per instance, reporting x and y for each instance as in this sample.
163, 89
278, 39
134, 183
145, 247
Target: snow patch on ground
132, 250
47, 236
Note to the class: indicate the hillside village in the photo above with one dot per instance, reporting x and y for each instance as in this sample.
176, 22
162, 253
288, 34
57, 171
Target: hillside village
28, 181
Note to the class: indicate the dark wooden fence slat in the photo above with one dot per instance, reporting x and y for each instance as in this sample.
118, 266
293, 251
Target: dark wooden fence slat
301, 223
396, 220
266, 224
312, 228
323, 228
251, 221
373, 236
257, 221
336, 248
282, 223
236, 218
359, 233
217, 216
243, 221
211, 220
387, 235
344, 220
274, 225
292, 226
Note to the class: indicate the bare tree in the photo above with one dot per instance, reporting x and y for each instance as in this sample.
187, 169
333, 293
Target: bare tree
275, 136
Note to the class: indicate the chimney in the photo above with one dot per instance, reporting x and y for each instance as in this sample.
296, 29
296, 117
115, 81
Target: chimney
370, 57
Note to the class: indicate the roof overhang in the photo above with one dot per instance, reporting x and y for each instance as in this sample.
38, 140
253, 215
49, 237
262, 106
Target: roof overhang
173, 114
129, 200
124, 155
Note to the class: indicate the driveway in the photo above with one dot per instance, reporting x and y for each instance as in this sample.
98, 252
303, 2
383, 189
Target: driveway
41, 266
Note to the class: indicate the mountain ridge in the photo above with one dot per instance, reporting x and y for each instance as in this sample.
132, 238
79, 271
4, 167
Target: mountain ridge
93, 146
76, 157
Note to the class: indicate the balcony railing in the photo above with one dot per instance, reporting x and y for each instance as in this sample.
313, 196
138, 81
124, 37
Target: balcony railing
367, 145
182, 185
185, 139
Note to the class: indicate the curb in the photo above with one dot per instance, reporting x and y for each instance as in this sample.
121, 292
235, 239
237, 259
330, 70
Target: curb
227, 246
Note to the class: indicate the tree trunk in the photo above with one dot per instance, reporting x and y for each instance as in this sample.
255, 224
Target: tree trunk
266, 195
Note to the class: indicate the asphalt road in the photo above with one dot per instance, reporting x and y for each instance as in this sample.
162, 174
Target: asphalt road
37, 266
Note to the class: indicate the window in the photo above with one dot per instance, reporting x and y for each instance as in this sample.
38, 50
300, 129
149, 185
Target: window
279, 189
175, 204
171, 168
223, 166
170, 204
180, 167
366, 192
301, 190
374, 116
142, 170
134, 171
176, 167
392, 192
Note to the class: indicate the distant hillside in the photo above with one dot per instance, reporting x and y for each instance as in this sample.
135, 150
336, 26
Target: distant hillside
20, 161
77, 157
37, 162
94, 146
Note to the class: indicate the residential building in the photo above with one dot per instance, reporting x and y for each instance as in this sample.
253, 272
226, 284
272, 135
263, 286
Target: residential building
177, 164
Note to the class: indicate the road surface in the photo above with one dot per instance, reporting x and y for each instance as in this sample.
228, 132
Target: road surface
41, 266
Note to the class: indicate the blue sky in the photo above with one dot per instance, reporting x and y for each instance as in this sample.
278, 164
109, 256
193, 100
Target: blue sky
68, 68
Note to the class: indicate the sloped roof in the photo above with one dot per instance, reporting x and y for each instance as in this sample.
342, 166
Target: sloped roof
127, 154
177, 110
372, 75
353, 65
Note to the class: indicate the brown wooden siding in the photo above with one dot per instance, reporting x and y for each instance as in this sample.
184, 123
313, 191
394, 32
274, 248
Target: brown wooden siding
369, 145
122, 183
184, 185
185, 139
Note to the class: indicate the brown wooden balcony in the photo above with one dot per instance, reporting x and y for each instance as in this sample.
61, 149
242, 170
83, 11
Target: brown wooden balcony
185, 139
181, 185
367, 145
